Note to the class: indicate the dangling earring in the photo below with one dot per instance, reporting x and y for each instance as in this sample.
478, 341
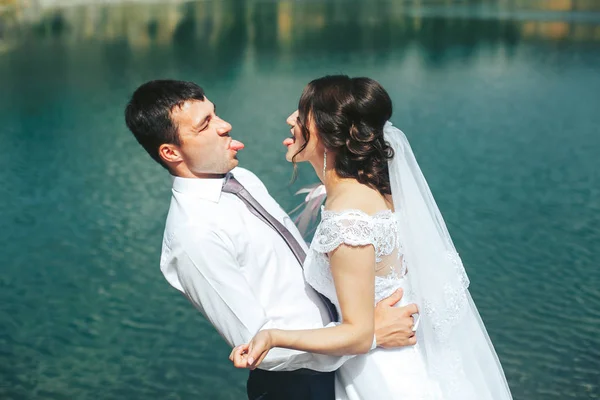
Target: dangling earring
324, 164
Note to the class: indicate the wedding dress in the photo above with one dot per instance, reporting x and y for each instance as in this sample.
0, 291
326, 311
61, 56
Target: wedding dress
382, 374
454, 358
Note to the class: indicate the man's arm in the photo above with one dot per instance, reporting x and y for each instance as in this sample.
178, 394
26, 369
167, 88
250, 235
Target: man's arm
210, 278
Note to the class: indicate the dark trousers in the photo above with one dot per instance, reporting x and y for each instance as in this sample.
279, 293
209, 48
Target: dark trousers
303, 384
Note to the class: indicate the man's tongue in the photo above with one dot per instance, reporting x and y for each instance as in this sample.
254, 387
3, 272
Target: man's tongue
236, 145
288, 142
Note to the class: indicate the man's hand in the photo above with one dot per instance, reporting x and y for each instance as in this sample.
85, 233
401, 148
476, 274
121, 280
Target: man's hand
394, 325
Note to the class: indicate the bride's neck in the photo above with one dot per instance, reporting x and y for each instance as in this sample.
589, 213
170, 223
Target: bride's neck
330, 179
332, 183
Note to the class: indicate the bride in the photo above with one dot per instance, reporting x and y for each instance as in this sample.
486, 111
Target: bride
381, 230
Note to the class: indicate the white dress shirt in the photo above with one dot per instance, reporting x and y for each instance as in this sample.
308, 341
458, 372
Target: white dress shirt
237, 270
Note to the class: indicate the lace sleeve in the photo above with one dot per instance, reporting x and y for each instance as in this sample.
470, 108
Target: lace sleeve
347, 227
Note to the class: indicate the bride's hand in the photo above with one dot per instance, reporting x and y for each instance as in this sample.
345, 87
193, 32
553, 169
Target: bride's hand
250, 355
239, 356
258, 347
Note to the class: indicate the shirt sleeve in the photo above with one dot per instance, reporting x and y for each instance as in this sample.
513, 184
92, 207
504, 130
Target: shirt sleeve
209, 275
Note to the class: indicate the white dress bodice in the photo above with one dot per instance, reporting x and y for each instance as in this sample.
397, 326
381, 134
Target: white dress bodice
396, 374
356, 228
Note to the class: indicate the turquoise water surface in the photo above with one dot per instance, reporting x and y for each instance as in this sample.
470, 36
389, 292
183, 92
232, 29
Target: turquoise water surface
501, 101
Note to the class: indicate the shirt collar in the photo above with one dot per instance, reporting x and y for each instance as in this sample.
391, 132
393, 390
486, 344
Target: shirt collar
204, 188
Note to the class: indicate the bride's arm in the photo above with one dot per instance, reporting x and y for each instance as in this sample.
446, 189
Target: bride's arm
353, 270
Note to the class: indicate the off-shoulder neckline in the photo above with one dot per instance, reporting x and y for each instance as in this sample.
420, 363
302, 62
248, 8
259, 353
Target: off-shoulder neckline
383, 213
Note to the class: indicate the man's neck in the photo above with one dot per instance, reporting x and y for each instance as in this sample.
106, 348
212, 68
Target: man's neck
190, 175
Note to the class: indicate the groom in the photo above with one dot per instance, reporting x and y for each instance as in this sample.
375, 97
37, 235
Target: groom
230, 248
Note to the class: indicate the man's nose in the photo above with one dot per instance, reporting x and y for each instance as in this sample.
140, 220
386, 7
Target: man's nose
223, 127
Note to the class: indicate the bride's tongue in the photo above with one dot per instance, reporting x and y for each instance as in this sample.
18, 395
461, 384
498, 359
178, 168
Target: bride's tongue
288, 142
236, 145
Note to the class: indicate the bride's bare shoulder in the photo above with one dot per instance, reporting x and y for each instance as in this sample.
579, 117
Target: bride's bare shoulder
357, 197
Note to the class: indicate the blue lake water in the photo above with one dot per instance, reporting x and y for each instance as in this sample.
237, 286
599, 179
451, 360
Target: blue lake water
501, 101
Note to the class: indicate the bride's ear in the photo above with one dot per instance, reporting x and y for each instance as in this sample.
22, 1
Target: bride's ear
169, 153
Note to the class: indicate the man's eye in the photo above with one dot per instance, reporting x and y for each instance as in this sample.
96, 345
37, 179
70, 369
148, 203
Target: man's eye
205, 126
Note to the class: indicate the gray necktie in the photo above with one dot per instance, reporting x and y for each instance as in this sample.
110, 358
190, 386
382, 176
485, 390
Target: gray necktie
232, 186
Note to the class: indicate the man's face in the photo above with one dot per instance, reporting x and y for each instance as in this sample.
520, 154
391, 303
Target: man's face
205, 145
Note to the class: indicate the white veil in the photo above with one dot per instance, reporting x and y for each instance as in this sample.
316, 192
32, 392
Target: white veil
458, 352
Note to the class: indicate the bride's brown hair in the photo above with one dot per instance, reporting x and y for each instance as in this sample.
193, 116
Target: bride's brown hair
349, 115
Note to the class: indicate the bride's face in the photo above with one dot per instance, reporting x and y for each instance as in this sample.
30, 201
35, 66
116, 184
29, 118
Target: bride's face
296, 142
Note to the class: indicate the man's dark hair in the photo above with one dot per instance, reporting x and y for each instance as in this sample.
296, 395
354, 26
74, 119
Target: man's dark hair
148, 113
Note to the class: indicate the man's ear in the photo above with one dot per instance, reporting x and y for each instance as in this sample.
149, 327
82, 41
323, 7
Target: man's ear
169, 153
